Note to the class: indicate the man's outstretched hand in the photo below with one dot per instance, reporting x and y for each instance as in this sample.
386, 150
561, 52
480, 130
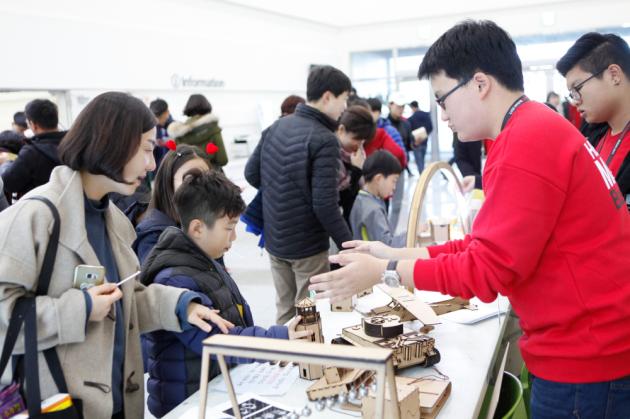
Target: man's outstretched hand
375, 249
359, 272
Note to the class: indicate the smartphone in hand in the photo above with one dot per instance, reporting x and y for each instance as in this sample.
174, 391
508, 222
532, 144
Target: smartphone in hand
86, 276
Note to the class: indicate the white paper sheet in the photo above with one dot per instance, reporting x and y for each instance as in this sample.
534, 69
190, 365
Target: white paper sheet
251, 405
262, 379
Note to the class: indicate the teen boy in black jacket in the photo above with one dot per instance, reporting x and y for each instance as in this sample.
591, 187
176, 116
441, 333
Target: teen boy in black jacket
296, 166
597, 69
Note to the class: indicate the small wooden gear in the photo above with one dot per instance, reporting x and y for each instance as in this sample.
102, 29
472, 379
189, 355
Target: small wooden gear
382, 326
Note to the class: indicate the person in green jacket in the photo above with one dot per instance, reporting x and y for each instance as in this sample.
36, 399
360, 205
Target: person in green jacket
201, 129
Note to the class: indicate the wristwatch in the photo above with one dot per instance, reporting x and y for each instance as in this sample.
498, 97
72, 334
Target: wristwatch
390, 277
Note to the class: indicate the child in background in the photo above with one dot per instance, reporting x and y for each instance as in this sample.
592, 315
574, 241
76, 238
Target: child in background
368, 218
209, 206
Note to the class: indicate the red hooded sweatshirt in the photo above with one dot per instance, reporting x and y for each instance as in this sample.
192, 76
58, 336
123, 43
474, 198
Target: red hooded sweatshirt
383, 141
553, 235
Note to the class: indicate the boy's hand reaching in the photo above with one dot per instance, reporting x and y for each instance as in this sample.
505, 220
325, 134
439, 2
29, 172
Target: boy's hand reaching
297, 335
197, 313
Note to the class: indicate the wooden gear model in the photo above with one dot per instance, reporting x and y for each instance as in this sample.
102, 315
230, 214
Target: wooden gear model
310, 320
408, 348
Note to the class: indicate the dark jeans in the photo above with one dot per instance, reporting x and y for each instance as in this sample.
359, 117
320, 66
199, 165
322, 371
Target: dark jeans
605, 400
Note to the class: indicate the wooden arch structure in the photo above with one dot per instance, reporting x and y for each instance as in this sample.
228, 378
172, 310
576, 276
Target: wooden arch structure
418, 200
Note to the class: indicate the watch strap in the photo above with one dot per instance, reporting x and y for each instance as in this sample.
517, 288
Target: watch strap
391, 266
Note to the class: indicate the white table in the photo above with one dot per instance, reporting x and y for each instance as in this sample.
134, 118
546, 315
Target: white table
468, 354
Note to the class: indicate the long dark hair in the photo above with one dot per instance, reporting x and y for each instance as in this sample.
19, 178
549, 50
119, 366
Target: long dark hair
163, 191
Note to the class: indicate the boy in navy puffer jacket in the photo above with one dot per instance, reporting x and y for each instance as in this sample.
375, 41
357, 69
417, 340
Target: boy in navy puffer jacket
209, 206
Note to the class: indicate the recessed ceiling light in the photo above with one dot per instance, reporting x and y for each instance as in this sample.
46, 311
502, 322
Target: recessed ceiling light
548, 18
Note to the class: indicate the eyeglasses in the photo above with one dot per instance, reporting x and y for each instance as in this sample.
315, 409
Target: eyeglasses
440, 101
574, 92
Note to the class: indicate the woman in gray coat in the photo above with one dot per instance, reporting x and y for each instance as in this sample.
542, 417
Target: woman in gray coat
97, 332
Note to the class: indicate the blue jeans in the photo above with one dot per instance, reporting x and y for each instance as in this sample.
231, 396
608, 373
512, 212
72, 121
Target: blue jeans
605, 400
419, 153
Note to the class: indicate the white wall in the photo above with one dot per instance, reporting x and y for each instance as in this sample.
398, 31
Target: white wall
88, 47
570, 16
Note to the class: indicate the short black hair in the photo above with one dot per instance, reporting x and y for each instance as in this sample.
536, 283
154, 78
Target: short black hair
474, 46
20, 119
375, 104
414, 104
357, 101
197, 105
381, 162
551, 94
207, 196
163, 188
158, 106
324, 79
594, 52
358, 121
11, 141
43, 113
106, 135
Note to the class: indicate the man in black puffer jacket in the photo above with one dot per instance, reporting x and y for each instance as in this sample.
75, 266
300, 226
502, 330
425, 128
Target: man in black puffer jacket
36, 161
296, 166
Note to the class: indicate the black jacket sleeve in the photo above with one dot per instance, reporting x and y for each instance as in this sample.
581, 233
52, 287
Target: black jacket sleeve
252, 168
326, 157
468, 158
17, 177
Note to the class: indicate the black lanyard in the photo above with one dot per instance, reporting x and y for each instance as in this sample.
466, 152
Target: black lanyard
617, 144
513, 108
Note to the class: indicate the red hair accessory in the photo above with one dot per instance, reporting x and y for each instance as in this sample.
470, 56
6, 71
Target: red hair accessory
211, 148
170, 144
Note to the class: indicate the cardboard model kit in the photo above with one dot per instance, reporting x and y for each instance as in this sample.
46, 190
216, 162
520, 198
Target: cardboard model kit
408, 347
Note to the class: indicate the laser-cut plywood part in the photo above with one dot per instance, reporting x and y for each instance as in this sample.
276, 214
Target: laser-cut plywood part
382, 326
346, 305
433, 394
311, 320
408, 402
409, 348
407, 306
453, 304
337, 380
365, 292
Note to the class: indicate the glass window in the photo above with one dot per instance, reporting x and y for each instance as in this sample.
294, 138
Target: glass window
372, 65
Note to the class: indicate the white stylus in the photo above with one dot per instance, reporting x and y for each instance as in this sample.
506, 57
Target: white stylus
127, 279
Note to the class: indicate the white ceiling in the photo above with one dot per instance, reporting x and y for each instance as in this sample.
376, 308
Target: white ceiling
348, 13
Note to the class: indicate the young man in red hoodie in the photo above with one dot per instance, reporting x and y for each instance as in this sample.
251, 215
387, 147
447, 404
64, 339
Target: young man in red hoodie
549, 236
